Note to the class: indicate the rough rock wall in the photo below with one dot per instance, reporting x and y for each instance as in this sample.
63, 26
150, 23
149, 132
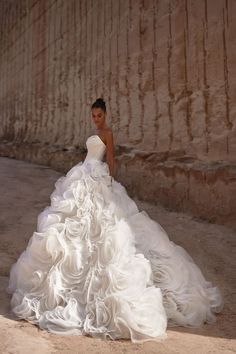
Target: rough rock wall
167, 71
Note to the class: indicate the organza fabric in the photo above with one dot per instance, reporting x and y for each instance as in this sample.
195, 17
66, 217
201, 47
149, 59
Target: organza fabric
97, 265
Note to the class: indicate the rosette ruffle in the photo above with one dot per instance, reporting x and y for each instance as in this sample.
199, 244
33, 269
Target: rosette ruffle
189, 299
81, 273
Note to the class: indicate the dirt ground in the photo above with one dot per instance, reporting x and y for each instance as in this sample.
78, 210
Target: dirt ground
25, 190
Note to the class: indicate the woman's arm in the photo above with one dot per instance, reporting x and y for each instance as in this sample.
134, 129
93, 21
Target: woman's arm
110, 152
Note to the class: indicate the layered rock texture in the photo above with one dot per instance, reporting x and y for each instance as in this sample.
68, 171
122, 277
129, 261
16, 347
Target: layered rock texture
166, 69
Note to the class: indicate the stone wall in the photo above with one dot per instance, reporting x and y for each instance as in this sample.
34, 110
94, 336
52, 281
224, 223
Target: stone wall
166, 69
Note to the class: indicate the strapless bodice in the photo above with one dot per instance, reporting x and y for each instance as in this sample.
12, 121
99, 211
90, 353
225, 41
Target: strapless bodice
96, 148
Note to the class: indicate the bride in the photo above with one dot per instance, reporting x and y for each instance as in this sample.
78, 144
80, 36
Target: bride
99, 266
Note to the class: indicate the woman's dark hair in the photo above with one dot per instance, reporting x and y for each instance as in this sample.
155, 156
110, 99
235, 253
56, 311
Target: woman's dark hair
99, 103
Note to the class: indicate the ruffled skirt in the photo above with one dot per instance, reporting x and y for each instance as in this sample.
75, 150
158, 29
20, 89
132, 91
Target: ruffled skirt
97, 265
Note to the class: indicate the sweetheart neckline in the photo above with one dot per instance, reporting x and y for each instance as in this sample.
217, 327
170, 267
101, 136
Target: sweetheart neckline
99, 139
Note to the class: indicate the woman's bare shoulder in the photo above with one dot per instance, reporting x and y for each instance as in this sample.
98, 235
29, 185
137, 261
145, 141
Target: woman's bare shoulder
108, 131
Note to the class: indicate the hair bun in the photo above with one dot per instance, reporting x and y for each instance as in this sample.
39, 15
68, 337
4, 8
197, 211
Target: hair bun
99, 103
100, 99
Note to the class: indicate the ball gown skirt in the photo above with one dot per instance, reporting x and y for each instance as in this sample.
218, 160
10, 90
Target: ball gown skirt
99, 266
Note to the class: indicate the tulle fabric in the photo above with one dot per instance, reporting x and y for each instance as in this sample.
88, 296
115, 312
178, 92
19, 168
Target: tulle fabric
80, 273
189, 299
97, 265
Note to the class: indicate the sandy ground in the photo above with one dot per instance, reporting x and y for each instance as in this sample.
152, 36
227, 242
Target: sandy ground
25, 190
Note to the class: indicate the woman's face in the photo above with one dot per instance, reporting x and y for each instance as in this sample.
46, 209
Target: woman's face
98, 116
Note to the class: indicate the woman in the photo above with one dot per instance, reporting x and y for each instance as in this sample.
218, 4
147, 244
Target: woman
98, 266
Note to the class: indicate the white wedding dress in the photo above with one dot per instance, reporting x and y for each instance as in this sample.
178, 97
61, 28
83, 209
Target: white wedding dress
98, 266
